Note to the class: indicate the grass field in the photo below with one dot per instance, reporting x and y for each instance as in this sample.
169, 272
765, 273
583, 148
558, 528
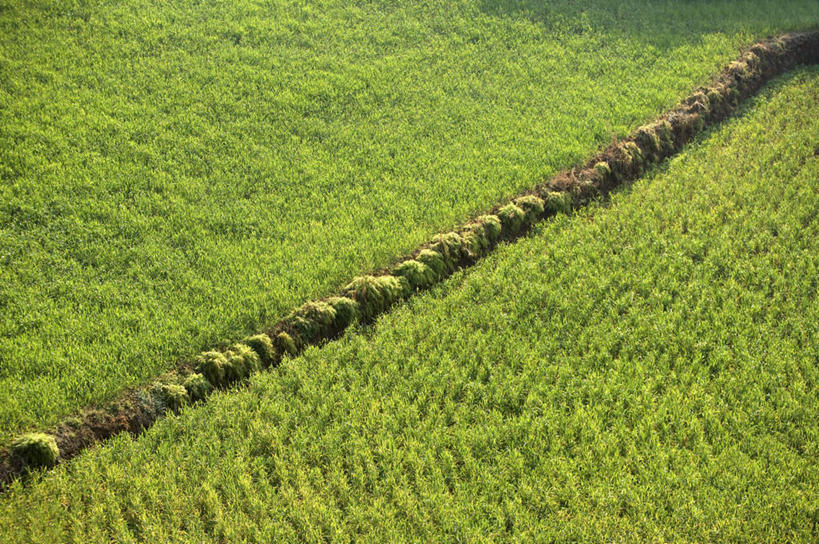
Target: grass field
176, 174
641, 371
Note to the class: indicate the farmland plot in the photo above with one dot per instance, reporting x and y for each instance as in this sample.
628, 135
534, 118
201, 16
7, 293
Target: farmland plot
641, 370
174, 175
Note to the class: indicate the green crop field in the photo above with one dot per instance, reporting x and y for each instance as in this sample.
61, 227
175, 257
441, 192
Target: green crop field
644, 370
176, 174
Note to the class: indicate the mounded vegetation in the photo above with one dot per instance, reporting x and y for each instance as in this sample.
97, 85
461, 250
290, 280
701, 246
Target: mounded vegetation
36, 450
417, 274
346, 311
197, 386
174, 396
263, 346
213, 366
435, 262
286, 344
532, 207
511, 218
311, 322
374, 294
491, 226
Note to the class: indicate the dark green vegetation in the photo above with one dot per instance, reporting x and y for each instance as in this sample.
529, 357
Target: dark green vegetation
36, 450
176, 175
640, 371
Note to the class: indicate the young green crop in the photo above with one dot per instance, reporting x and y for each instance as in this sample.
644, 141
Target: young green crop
176, 175
641, 371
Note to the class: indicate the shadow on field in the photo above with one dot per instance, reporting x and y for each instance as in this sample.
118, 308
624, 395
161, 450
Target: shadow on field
654, 24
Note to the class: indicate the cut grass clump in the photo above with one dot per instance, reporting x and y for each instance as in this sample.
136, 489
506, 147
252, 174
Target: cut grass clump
699, 103
637, 157
419, 275
491, 226
740, 70
558, 202
36, 450
479, 236
312, 322
285, 344
212, 365
197, 386
655, 140
532, 207
752, 61
263, 346
235, 364
683, 127
346, 311
603, 170
434, 260
173, 396
663, 131
648, 139
242, 361
767, 57
627, 161
451, 247
476, 241
375, 294
512, 219
721, 99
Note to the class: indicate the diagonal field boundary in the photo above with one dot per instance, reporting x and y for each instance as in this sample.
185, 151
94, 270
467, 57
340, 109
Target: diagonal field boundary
366, 297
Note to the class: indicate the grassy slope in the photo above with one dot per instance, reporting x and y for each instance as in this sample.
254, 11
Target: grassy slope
644, 371
176, 174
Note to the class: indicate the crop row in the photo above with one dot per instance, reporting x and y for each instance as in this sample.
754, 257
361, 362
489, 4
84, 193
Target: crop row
366, 297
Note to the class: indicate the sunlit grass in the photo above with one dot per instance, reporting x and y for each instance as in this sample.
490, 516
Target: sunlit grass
176, 175
640, 371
